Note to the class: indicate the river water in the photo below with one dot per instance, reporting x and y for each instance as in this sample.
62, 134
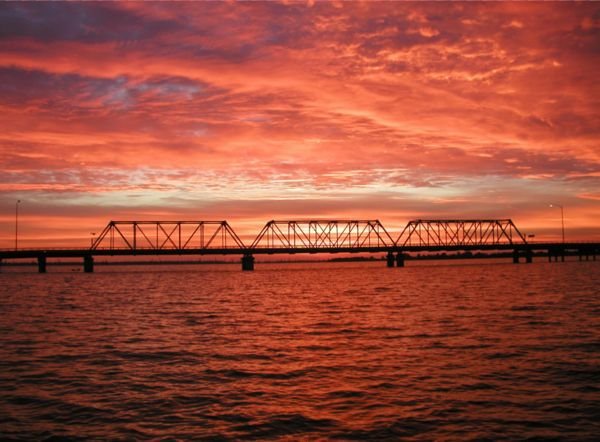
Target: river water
342, 351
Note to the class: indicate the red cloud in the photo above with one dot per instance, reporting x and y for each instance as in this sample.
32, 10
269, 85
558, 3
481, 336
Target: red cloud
322, 107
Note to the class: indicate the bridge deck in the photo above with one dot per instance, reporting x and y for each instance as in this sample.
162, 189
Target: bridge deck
185, 238
81, 252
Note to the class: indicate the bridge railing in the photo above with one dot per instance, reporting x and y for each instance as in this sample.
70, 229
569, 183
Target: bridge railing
163, 235
444, 233
306, 235
323, 234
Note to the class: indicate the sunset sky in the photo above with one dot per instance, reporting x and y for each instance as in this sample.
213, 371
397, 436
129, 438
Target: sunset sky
254, 111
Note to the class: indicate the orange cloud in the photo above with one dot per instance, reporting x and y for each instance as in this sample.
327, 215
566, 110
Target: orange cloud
401, 109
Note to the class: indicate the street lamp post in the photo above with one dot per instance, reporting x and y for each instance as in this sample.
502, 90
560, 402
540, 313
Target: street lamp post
92, 239
562, 219
17, 224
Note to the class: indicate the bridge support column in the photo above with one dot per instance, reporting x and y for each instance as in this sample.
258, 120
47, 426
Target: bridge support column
88, 264
515, 256
553, 253
400, 259
42, 264
528, 256
390, 259
248, 262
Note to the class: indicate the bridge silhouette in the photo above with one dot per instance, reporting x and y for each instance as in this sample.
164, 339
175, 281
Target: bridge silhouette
159, 238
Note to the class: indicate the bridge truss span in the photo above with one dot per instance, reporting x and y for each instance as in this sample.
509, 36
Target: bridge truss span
323, 234
162, 238
167, 235
456, 233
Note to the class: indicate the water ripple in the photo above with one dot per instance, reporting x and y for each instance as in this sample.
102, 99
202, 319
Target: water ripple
303, 352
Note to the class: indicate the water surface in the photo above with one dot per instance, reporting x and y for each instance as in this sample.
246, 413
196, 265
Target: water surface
340, 351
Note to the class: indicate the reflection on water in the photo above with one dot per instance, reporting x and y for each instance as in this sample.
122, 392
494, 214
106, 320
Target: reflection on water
303, 351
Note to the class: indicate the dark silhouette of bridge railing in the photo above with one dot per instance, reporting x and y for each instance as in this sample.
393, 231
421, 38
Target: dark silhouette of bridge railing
128, 238
323, 234
167, 235
460, 232
305, 234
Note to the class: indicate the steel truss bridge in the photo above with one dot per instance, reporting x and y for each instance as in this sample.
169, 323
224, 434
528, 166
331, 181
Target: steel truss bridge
145, 238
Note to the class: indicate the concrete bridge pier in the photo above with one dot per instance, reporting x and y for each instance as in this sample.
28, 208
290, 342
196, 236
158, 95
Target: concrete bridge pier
527, 254
88, 264
390, 259
248, 262
556, 252
41, 264
587, 253
400, 259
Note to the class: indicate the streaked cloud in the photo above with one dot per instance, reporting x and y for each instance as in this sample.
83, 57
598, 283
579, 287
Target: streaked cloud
251, 110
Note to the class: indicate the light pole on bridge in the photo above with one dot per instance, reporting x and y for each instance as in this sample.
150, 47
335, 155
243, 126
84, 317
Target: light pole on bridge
17, 224
562, 219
